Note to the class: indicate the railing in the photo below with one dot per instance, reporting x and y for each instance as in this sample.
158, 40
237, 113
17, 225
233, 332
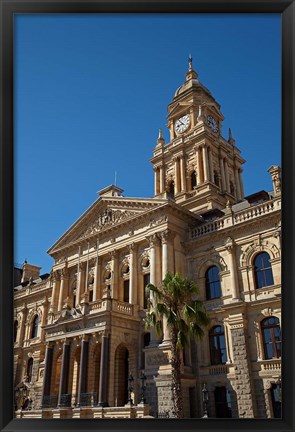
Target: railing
65, 400
221, 369
238, 217
253, 212
122, 307
49, 401
88, 399
208, 228
218, 370
270, 365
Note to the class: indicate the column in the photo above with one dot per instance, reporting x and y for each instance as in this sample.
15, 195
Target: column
243, 382
176, 174
133, 274
200, 176
155, 180
162, 179
210, 166
222, 174
63, 288
115, 275
241, 183
55, 291
103, 380
230, 247
64, 374
167, 237
226, 175
154, 273
97, 294
80, 283
237, 181
83, 371
182, 174
47, 373
205, 163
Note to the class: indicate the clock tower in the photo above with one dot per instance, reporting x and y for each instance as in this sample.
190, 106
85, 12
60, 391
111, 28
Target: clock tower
198, 168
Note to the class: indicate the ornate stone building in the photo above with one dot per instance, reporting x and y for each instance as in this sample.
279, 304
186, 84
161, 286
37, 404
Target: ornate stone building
79, 331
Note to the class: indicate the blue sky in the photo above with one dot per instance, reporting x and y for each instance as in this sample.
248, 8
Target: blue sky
91, 92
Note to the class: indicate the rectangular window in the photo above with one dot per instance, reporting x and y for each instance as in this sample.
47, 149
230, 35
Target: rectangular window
126, 291
146, 281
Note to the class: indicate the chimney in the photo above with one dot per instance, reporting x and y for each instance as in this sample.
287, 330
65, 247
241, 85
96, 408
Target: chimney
30, 271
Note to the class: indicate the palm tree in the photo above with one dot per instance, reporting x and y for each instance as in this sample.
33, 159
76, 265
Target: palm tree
176, 300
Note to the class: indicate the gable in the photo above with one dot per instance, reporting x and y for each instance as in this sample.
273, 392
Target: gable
105, 213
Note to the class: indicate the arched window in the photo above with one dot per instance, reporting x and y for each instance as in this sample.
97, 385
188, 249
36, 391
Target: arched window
217, 345
262, 270
271, 336
15, 327
222, 402
35, 323
30, 369
193, 179
212, 281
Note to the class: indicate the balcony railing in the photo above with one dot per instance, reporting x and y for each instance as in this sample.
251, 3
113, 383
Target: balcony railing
250, 213
65, 400
88, 399
49, 401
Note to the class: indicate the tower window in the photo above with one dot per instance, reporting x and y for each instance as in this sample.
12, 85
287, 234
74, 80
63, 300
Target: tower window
193, 179
263, 270
34, 332
271, 336
231, 188
15, 330
217, 345
212, 282
126, 290
171, 189
30, 368
216, 178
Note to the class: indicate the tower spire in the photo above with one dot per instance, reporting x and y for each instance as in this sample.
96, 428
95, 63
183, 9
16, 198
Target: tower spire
190, 63
191, 73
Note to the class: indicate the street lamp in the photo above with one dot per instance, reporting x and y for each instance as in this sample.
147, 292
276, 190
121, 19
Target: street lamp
205, 397
130, 389
142, 387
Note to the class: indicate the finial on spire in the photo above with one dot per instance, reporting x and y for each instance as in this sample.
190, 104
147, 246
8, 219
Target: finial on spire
190, 62
191, 73
160, 137
230, 137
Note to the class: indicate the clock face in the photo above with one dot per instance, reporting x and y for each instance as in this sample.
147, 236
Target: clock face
212, 123
182, 123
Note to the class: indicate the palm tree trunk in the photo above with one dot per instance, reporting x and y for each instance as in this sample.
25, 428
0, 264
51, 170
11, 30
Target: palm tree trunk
176, 377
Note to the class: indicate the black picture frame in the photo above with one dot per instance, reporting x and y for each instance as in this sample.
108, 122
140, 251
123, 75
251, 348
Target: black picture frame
8, 9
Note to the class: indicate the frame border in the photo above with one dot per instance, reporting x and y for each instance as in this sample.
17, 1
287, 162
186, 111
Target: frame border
8, 8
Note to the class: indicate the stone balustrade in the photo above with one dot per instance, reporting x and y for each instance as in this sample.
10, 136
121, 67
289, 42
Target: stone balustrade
221, 369
239, 217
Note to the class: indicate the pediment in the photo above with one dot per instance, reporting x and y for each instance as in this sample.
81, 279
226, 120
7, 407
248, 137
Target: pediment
103, 214
178, 108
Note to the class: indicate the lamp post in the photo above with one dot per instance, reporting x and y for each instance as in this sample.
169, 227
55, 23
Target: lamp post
130, 389
205, 397
142, 387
